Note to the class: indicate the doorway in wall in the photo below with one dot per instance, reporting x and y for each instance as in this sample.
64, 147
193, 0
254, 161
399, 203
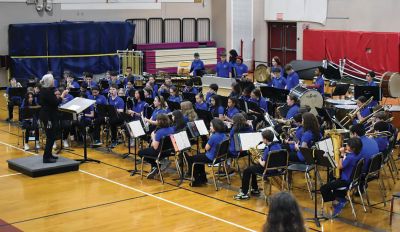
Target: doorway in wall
282, 41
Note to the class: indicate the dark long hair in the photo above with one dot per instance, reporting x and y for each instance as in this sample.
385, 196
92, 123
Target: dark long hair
239, 123
141, 95
310, 122
179, 121
284, 214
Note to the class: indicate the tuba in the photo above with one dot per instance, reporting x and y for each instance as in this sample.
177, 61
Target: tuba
337, 136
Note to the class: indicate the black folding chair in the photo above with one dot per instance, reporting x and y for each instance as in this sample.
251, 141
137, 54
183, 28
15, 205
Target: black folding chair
166, 150
374, 169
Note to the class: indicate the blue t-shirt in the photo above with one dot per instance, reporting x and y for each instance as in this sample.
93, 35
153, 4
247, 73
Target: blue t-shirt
100, 99
196, 66
193, 90
92, 84
262, 103
245, 98
279, 83
75, 84
348, 165
293, 110
216, 111
201, 106
369, 148
372, 83
176, 99
320, 84
67, 99
383, 143
208, 97
271, 147
298, 134
308, 138
117, 102
163, 132
231, 112
139, 106
232, 133
158, 111
213, 142
292, 80
117, 82
240, 69
223, 69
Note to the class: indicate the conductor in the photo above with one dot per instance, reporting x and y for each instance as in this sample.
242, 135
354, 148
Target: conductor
48, 114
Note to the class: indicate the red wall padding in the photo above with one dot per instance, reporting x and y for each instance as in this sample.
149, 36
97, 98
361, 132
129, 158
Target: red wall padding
334, 45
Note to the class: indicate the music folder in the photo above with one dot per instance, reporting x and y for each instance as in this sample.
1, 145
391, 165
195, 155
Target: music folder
180, 141
249, 140
77, 105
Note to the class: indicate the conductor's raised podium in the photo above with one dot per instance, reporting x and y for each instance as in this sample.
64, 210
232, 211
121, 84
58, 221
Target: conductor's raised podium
33, 166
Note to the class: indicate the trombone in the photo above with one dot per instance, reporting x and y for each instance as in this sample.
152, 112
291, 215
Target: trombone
379, 134
350, 116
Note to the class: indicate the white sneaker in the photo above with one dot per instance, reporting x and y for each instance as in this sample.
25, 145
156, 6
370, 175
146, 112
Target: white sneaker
26, 147
37, 145
65, 143
54, 145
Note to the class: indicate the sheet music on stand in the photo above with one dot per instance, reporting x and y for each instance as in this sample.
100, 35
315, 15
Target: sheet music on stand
271, 128
180, 141
77, 105
135, 129
250, 140
326, 145
197, 128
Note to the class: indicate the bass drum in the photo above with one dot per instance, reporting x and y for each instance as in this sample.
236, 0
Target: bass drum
308, 97
390, 84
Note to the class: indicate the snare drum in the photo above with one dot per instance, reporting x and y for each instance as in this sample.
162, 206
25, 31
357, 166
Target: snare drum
390, 84
309, 97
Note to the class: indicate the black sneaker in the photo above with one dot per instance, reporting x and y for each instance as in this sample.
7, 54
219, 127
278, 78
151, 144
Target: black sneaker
152, 173
49, 160
241, 196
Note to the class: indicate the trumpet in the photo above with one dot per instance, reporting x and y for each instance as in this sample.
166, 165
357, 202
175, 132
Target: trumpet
350, 116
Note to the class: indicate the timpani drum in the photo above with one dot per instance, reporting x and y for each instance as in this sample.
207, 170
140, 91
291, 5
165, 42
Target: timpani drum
390, 84
309, 97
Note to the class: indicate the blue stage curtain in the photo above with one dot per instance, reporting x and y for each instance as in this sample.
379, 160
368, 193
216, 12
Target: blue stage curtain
67, 38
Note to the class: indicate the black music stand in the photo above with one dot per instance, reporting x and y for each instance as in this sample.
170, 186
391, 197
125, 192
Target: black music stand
223, 101
74, 92
368, 92
254, 107
318, 158
137, 139
107, 112
173, 105
331, 119
77, 106
205, 115
341, 89
17, 92
274, 94
189, 97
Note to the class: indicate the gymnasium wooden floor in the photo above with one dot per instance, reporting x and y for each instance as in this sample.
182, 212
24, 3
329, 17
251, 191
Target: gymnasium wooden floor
104, 197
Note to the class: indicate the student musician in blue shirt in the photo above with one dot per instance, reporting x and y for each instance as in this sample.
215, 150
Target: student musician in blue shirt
100, 99
139, 105
189, 87
347, 163
369, 145
276, 63
160, 107
68, 97
71, 83
239, 125
99, 119
240, 68
250, 173
364, 112
291, 141
30, 124
257, 98
319, 83
217, 131
114, 79
12, 100
294, 107
213, 89
197, 67
278, 81
89, 80
200, 103
166, 86
236, 90
311, 134
292, 79
370, 79
163, 130
153, 86
119, 105
382, 140
246, 94
216, 109
232, 109
173, 95
129, 89
223, 67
